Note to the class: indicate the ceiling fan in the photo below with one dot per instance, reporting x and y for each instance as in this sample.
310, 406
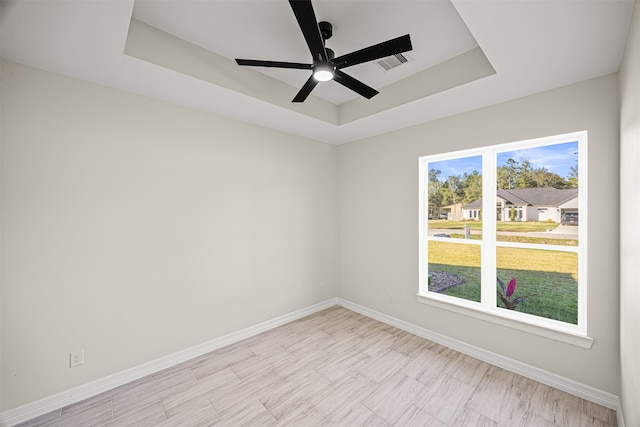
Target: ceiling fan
325, 65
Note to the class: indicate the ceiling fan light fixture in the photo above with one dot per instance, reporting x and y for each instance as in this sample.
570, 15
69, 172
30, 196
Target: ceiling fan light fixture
323, 72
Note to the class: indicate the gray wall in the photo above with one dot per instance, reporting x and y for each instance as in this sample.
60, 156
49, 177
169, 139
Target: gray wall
630, 227
378, 223
134, 229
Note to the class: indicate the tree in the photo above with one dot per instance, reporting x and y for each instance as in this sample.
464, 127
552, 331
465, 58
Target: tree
435, 192
453, 187
524, 178
543, 178
508, 174
472, 187
572, 179
522, 174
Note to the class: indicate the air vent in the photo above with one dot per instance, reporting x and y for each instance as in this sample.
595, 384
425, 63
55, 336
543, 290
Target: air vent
393, 61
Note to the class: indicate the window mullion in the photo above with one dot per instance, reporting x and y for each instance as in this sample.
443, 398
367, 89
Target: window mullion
488, 257
423, 206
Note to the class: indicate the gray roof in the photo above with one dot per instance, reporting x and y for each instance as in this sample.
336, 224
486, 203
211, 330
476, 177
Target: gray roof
542, 196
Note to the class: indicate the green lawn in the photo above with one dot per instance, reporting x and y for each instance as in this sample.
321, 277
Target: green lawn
526, 227
549, 278
522, 239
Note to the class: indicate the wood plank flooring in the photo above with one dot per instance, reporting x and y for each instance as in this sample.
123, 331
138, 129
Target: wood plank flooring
333, 368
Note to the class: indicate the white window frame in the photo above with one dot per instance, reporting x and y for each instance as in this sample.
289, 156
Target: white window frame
486, 309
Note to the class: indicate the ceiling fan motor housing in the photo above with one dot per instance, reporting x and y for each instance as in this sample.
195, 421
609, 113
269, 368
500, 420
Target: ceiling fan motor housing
326, 29
330, 54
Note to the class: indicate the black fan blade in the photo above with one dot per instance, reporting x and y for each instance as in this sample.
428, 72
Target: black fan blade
303, 9
274, 64
377, 51
355, 85
306, 90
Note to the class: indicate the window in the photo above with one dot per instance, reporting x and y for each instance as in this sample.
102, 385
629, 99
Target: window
524, 260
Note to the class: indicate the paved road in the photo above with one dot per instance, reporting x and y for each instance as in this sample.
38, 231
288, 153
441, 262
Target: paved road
560, 232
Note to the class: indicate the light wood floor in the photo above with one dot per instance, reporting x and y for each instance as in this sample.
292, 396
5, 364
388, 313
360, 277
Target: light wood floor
334, 368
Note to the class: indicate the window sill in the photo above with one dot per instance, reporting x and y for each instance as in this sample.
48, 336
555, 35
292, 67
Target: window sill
578, 340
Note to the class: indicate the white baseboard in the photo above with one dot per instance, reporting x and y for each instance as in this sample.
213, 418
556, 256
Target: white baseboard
59, 400
575, 388
93, 388
620, 416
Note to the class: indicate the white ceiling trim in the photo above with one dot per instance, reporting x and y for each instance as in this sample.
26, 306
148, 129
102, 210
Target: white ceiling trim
533, 46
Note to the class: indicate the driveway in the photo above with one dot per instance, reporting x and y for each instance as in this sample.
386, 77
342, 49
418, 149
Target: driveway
566, 229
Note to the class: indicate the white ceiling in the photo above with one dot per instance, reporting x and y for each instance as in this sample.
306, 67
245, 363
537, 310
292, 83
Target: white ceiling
532, 46
268, 30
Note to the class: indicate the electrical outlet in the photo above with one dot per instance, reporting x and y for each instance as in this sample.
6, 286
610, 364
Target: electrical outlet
76, 358
390, 299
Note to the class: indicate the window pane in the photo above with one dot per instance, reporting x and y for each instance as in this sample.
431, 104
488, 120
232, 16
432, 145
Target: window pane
546, 280
454, 269
454, 198
537, 195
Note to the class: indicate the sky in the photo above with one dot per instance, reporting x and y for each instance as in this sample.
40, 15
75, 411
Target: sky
457, 166
557, 158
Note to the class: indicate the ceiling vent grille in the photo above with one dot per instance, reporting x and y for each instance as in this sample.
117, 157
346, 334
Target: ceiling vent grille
393, 61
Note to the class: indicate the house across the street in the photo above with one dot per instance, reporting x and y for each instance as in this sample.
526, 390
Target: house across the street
528, 204
451, 212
